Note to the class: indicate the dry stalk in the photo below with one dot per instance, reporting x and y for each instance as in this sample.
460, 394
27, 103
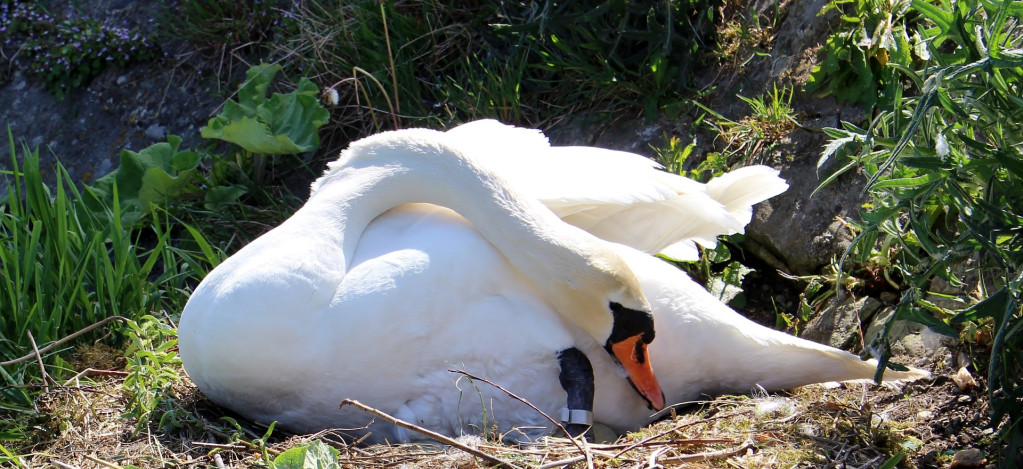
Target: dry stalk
725, 453
65, 339
433, 435
557, 424
646, 440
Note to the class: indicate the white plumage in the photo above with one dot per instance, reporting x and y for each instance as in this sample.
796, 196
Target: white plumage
344, 300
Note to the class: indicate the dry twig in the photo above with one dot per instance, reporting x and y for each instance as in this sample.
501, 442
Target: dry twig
725, 453
530, 405
646, 440
433, 435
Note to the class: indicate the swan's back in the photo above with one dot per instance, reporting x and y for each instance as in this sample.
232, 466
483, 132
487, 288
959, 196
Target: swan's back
618, 196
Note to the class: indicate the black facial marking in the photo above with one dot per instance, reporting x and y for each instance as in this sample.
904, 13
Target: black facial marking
630, 322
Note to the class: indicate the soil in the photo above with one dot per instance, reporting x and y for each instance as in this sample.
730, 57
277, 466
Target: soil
134, 107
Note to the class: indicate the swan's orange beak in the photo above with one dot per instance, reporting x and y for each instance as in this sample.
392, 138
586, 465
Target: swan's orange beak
631, 353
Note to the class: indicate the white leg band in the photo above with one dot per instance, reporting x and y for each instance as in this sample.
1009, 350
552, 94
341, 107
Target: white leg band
577, 416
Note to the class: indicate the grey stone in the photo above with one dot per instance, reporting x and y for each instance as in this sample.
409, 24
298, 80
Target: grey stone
839, 324
156, 131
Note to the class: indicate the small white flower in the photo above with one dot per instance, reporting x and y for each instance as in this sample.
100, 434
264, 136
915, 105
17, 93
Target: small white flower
941, 145
330, 96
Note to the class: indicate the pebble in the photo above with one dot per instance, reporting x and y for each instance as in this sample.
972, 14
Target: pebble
971, 457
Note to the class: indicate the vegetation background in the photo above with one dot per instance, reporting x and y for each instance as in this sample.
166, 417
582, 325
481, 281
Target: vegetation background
97, 267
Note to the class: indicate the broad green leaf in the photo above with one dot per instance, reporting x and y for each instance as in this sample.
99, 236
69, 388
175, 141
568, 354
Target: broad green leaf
284, 124
315, 455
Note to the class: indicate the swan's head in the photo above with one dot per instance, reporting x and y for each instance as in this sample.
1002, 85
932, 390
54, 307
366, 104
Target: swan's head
632, 325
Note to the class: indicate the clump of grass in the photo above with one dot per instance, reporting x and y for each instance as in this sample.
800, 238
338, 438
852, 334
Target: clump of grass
429, 63
224, 24
771, 118
67, 52
66, 268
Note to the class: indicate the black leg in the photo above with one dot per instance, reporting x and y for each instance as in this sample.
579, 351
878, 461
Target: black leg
577, 380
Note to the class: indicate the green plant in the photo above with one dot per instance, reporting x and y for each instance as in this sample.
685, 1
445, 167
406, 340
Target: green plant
65, 268
873, 33
678, 159
220, 23
286, 123
68, 52
315, 454
437, 63
771, 118
153, 369
946, 182
164, 176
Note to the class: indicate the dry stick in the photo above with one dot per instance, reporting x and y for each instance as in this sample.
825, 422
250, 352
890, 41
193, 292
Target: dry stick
95, 371
531, 406
431, 434
684, 441
563, 462
65, 339
39, 358
102, 462
63, 465
725, 453
218, 445
675, 428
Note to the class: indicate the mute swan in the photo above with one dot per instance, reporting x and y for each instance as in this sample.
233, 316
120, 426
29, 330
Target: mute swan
703, 346
278, 308
249, 347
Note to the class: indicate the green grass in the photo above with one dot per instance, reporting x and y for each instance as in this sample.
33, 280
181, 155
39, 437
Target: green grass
424, 63
66, 266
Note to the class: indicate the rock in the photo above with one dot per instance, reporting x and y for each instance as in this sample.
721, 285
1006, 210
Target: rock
156, 132
839, 324
907, 337
971, 457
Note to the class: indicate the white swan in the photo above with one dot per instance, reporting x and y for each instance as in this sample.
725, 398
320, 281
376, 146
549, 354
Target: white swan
269, 331
425, 292
702, 345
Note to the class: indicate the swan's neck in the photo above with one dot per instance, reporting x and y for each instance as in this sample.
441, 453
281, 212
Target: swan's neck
387, 170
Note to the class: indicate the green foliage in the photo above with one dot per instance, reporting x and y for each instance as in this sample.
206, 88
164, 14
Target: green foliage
515, 61
67, 265
875, 32
153, 369
68, 52
284, 124
678, 159
771, 118
946, 182
313, 455
163, 174
148, 179
222, 23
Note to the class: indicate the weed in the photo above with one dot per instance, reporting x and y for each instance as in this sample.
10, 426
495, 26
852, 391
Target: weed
771, 119
227, 24
68, 52
516, 62
946, 184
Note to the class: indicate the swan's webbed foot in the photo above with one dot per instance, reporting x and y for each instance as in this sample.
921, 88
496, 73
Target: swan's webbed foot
577, 380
